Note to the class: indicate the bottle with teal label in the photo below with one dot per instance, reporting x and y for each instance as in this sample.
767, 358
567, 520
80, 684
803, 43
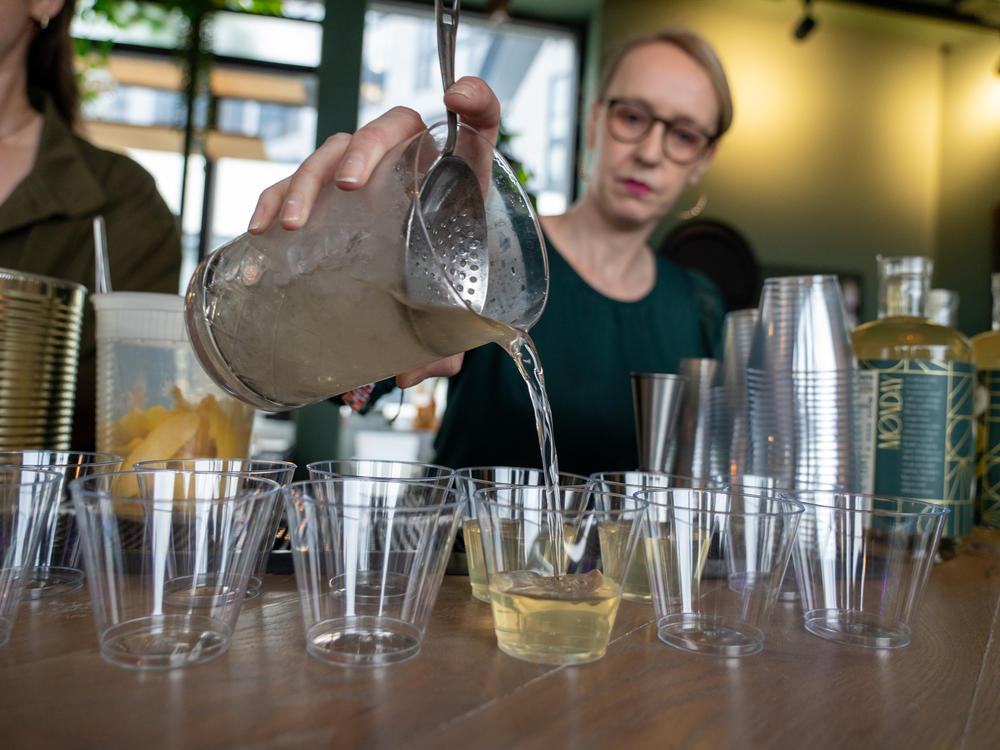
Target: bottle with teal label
987, 351
921, 379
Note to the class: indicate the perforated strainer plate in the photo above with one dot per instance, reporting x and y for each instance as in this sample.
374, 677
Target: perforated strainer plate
450, 214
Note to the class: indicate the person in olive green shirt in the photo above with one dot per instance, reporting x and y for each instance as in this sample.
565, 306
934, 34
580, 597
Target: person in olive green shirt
53, 183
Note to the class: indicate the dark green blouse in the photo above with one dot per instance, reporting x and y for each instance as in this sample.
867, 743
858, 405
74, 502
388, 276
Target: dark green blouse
46, 227
588, 345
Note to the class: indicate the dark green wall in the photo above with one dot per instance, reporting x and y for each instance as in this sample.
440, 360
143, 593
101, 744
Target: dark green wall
970, 179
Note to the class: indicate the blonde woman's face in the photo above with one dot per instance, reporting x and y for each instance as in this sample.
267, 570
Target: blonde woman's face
636, 183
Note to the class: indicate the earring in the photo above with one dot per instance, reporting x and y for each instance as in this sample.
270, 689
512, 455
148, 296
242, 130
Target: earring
44, 23
696, 209
581, 170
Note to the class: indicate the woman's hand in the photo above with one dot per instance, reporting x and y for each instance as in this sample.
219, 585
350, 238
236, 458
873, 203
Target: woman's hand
443, 368
348, 160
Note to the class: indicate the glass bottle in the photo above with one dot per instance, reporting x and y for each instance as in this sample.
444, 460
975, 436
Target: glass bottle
922, 437
987, 351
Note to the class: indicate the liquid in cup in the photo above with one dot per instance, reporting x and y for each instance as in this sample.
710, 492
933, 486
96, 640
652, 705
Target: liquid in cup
555, 578
627, 483
564, 619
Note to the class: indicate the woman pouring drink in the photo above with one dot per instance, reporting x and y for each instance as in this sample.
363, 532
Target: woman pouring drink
614, 307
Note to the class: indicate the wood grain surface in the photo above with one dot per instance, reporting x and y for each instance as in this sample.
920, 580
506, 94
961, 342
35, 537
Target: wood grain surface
942, 691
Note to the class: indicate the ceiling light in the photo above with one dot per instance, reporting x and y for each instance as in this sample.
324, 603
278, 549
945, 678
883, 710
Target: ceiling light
807, 23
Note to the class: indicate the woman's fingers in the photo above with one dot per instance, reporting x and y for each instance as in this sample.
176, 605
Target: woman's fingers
371, 142
442, 368
344, 158
350, 159
294, 196
304, 185
476, 105
268, 205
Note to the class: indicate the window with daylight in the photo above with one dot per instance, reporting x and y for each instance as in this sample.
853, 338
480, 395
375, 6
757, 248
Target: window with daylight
254, 122
256, 118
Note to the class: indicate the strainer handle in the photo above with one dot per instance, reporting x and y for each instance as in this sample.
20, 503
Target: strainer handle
447, 28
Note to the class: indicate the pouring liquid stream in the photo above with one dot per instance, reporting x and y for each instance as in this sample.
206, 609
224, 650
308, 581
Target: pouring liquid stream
525, 356
561, 615
437, 328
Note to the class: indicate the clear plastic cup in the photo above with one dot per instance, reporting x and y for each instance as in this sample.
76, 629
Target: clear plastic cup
756, 484
862, 563
27, 498
556, 573
168, 555
380, 469
369, 558
58, 568
705, 610
628, 483
280, 471
472, 478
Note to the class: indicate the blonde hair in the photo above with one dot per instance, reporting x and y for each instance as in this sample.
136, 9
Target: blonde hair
694, 47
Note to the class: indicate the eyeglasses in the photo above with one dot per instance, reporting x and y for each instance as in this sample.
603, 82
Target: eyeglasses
630, 120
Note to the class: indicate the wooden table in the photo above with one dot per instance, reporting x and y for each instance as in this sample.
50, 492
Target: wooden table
943, 691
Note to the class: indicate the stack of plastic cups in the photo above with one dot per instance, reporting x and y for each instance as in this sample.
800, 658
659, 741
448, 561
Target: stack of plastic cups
802, 381
728, 395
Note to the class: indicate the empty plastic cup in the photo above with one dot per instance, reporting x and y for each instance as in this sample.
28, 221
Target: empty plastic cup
58, 564
700, 608
369, 558
27, 497
168, 555
280, 471
862, 563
